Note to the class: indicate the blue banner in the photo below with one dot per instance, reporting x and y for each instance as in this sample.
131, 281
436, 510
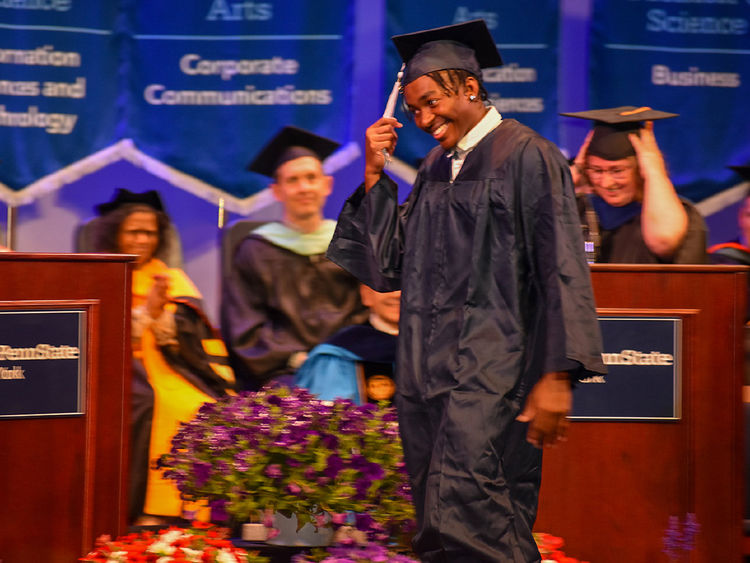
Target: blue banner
59, 85
524, 88
199, 86
690, 57
212, 81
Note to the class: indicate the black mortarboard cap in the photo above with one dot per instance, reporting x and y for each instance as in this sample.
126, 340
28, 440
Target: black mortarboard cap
743, 171
124, 197
466, 46
611, 128
288, 144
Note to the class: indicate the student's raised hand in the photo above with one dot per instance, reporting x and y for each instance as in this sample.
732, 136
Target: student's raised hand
379, 136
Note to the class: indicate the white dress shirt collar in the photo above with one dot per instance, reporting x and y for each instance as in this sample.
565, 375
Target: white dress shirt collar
467, 143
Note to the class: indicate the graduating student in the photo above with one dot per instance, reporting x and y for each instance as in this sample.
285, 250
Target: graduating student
283, 296
497, 310
633, 214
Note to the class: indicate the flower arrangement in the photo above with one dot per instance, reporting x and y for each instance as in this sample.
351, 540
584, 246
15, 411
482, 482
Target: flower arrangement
202, 543
284, 450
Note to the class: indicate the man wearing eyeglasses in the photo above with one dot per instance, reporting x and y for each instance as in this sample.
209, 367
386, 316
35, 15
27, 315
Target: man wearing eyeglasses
633, 213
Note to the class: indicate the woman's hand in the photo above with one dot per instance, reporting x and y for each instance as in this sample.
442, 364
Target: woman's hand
157, 296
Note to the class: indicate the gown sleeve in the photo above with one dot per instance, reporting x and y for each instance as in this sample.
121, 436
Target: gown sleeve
368, 241
569, 339
693, 248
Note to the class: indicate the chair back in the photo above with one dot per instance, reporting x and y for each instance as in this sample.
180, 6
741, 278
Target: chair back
231, 236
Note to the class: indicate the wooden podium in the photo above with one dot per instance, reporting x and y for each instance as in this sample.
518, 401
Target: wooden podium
610, 490
62, 477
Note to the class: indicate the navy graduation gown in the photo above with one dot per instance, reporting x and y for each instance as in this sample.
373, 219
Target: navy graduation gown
495, 292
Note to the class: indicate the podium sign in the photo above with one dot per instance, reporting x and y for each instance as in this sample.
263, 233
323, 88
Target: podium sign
642, 355
42, 363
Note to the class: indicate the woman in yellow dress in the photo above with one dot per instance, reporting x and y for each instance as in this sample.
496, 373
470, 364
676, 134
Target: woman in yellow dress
179, 362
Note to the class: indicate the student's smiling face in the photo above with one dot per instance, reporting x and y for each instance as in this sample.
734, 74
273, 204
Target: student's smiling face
442, 114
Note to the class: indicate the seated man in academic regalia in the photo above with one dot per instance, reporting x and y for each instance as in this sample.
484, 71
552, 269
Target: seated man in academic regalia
283, 296
357, 362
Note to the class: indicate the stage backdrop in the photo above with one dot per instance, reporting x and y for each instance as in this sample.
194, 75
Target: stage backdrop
524, 88
198, 86
691, 58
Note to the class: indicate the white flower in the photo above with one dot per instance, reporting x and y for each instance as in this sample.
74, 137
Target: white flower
225, 556
172, 536
161, 548
117, 557
192, 554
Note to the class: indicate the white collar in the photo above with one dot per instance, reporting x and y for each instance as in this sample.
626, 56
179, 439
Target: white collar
487, 124
379, 324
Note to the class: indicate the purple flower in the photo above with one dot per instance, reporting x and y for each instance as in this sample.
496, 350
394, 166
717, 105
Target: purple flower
334, 464
273, 471
330, 441
219, 510
202, 472
223, 467
220, 439
672, 538
294, 488
373, 471
274, 400
363, 522
689, 531
242, 461
361, 485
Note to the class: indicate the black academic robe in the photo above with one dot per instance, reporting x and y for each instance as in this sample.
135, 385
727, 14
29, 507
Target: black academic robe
496, 292
377, 350
277, 302
356, 363
623, 243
